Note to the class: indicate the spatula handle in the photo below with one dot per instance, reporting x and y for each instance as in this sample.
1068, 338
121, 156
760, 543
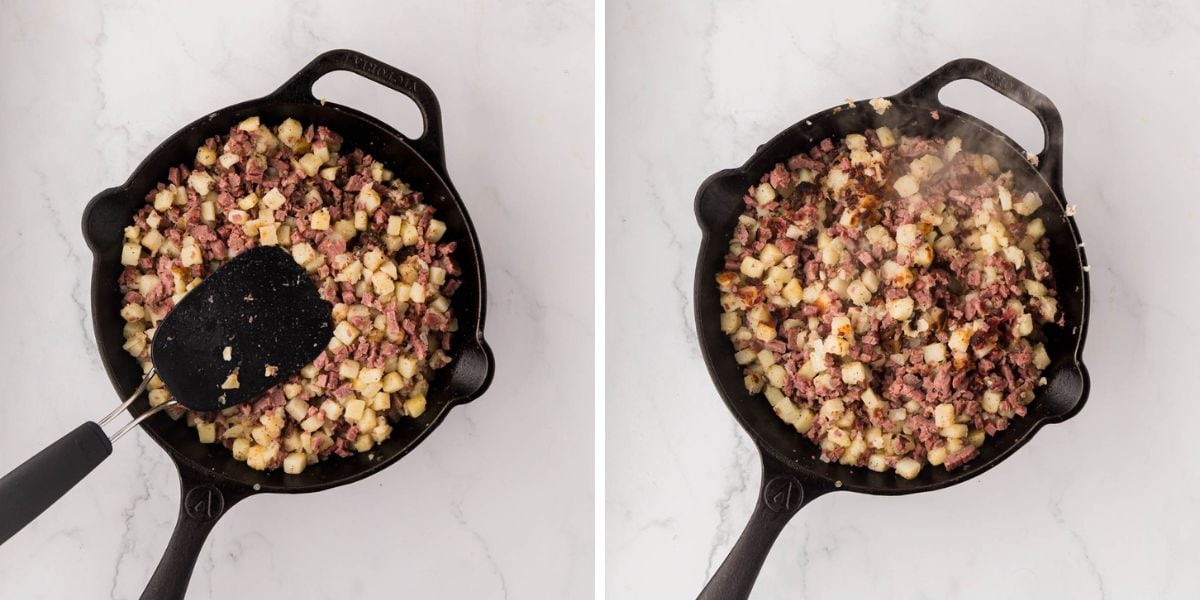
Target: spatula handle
40, 481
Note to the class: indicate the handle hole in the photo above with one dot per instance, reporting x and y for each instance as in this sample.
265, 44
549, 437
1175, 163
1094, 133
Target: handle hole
1014, 120
391, 107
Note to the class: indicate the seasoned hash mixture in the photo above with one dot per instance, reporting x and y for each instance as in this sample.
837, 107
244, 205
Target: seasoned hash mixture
373, 248
887, 295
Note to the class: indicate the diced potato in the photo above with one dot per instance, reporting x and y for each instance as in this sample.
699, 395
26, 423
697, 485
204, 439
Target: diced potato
303, 253
858, 292
381, 402
877, 462
871, 400
435, 231
854, 453
854, 373
960, 339
416, 293
1024, 325
924, 167
836, 179
206, 156
840, 287
368, 199
1034, 288
200, 181
382, 284
770, 255
133, 312
348, 369
345, 332
241, 448
764, 193
207, 432
838, 437
935, 353
251, 124
354, 410
944, 415
887, 138
414, 406
319, 220
1035, 229
765, 332
793, 292
164, 199
922, 255
394, 225
730, 321
1041, 359
331, 409
840, 326
956, 431
906, 186
900, 309
1047, 308
908, 468
990, 401
752, 267
130, 254
832, 410
297, 409
294, 463
952, 148
831, 254
976, 437
1028, 204
310, 164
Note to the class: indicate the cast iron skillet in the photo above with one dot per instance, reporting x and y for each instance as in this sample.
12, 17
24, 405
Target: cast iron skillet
211, 480
793, 476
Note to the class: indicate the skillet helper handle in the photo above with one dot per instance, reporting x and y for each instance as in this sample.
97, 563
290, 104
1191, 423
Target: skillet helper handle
781, 496
925, 92
429, 145
201, 504
37, 483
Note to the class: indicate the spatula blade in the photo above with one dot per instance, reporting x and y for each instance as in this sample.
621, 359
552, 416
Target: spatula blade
262, 310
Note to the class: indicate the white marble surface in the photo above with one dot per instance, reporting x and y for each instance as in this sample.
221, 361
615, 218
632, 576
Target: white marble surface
1106, 505
498, 502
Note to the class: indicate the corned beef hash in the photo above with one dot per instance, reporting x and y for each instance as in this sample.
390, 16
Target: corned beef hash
372, 246
887, 295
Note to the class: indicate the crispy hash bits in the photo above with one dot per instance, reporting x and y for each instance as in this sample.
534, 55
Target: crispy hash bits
886, 294
372, 247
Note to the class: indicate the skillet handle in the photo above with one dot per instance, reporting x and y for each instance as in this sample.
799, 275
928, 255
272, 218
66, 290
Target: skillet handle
925, 92
201, 504
781, 496
429, 145
32, 487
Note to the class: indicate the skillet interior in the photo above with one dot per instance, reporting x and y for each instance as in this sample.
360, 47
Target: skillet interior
467, 376
718, 204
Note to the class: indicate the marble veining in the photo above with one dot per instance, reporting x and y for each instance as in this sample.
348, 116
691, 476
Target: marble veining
1106, 505
498, 502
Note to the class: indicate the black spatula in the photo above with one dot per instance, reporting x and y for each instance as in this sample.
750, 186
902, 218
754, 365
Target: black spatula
254, 322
